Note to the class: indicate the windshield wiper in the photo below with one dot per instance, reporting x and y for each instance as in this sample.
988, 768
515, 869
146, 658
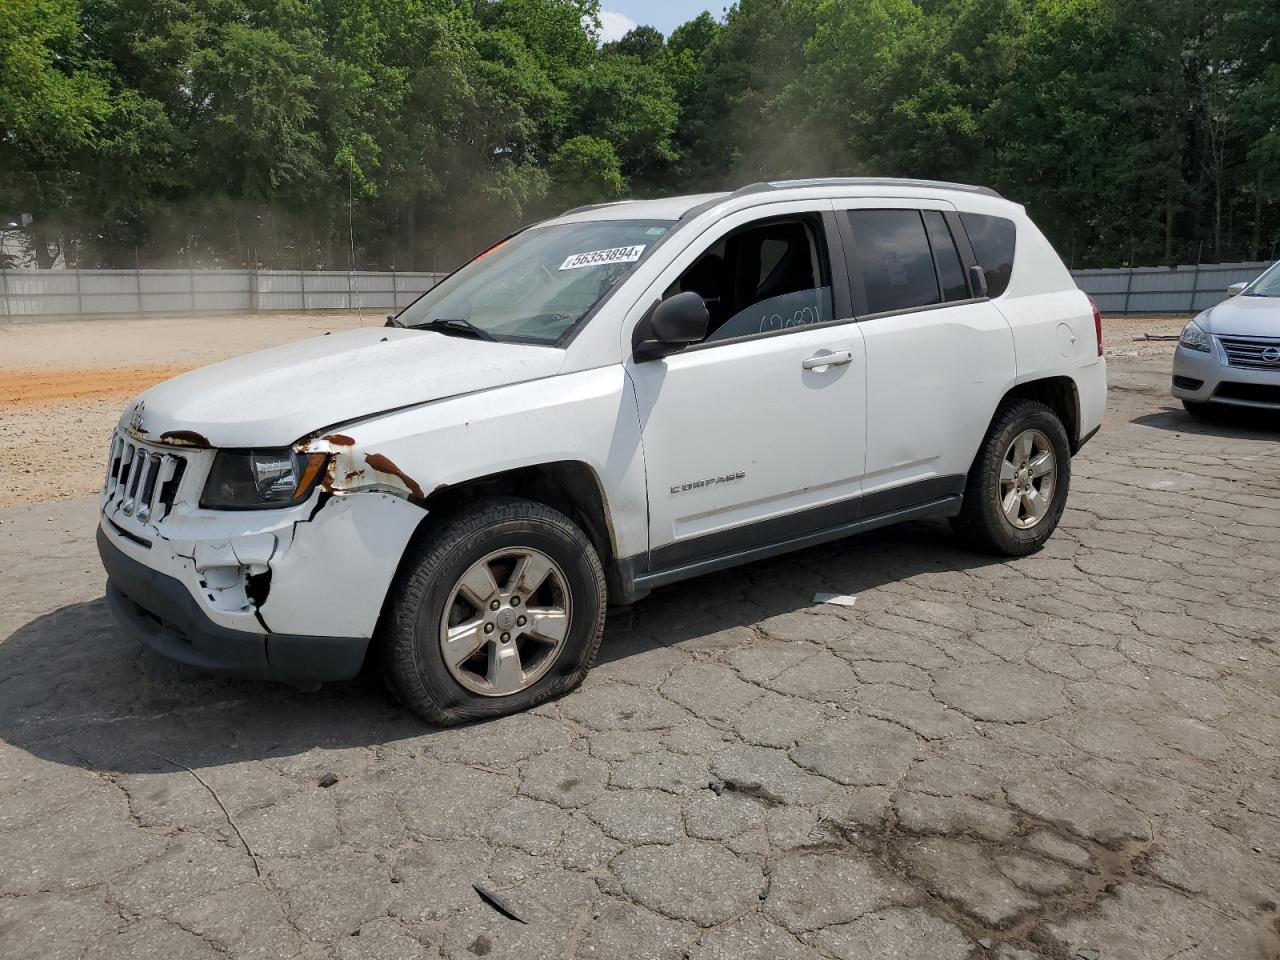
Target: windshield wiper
458, 327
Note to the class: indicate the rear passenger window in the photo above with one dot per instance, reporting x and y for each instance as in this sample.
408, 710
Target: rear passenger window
945, 257
891, 254
992, 239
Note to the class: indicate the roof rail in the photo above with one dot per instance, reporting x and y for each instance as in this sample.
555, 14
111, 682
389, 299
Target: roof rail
865, 182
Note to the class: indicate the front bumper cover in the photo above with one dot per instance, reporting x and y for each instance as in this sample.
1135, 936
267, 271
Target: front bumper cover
161, 612
1198, 377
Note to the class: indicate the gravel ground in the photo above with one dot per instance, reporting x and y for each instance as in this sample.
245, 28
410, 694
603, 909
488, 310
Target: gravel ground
64, 383
1075, 754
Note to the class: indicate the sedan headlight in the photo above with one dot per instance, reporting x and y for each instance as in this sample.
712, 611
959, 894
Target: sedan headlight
247, 479
1193, 338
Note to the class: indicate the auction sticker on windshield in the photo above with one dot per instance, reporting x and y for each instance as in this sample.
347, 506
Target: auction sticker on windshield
599, 258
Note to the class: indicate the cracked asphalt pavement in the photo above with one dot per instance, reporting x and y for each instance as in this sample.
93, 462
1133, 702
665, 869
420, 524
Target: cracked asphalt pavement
1074, 754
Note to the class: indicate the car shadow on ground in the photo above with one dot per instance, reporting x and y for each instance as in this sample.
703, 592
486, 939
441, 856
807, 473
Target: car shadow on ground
76, 689
1240, 423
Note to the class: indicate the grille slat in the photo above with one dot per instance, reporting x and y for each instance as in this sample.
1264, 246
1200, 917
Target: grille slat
137, 462
142, 480
148, 487
113, 464
126, 456
163, 474
1249, 352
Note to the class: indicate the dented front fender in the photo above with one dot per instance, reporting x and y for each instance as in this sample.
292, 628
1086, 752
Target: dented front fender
333, 576
352, 468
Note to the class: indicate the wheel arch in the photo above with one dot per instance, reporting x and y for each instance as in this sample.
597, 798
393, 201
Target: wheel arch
1058, 393
570, 486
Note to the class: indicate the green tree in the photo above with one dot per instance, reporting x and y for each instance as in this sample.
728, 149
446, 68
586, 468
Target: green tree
52, 110
741, 129
407, 132
586, 170
629, 104
643, 43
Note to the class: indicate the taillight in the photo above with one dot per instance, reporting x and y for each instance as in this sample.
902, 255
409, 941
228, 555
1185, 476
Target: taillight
1097, 323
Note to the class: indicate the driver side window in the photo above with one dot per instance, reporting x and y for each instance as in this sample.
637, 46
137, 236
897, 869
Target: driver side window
769, 276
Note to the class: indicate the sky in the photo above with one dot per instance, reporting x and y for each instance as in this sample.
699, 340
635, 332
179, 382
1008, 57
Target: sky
619, 16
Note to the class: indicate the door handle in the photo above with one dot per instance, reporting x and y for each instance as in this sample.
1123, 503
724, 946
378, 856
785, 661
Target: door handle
828, 360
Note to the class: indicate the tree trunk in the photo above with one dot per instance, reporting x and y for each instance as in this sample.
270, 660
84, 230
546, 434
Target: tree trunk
42, 239
1217, 208
1255, 249
410, 246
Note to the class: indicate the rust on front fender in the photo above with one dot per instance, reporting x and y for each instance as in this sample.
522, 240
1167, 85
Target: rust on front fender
350, 469
385, 465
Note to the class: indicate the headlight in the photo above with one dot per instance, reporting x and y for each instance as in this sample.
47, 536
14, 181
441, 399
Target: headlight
1193, 338
242, 479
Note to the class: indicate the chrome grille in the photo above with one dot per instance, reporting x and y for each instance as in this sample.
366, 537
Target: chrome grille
1248, 352
142, 480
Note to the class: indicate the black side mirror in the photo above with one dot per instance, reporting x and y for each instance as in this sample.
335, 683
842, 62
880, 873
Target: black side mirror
978, 281
672, 325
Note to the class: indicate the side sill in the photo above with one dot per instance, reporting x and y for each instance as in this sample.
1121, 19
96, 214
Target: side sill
636, 585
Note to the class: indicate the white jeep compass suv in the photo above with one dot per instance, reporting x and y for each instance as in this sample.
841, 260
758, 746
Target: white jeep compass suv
624, 396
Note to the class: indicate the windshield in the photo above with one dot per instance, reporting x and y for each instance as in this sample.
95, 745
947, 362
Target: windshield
1267, 285
541, 283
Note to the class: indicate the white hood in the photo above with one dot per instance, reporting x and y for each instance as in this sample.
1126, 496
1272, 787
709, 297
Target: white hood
1243, 317
276, 396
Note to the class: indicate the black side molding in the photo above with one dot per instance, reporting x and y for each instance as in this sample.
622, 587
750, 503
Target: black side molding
933, 498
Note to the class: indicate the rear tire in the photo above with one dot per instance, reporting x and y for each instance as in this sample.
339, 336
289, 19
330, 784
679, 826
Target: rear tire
500, 609
1018, 484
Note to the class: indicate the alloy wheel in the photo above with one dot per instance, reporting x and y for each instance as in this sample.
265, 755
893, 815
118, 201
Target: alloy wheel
1028, 476
506, 619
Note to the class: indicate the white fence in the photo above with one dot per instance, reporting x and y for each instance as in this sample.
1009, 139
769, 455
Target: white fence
96, 292
1183, 289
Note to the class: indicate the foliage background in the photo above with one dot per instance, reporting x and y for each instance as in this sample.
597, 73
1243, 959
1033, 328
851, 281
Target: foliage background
409, 133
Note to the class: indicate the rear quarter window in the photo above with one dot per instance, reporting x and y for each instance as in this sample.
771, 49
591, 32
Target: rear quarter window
992, 239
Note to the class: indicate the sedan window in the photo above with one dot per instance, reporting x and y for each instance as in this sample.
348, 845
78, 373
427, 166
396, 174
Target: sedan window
1267, 285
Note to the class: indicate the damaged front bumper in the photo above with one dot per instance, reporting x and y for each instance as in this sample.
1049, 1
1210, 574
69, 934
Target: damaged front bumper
161, 612
292, 594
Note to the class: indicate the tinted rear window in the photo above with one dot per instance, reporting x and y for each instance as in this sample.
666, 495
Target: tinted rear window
891, 254
992, 239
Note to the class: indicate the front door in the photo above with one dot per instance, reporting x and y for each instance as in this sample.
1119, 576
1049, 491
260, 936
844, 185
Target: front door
756, 435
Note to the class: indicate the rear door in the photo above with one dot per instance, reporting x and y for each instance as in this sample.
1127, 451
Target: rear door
939, 358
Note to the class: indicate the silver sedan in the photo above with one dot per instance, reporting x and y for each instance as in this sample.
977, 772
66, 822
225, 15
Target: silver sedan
1230, 354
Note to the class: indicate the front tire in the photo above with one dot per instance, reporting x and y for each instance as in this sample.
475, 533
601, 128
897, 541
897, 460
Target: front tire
1018, 484
500, 609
